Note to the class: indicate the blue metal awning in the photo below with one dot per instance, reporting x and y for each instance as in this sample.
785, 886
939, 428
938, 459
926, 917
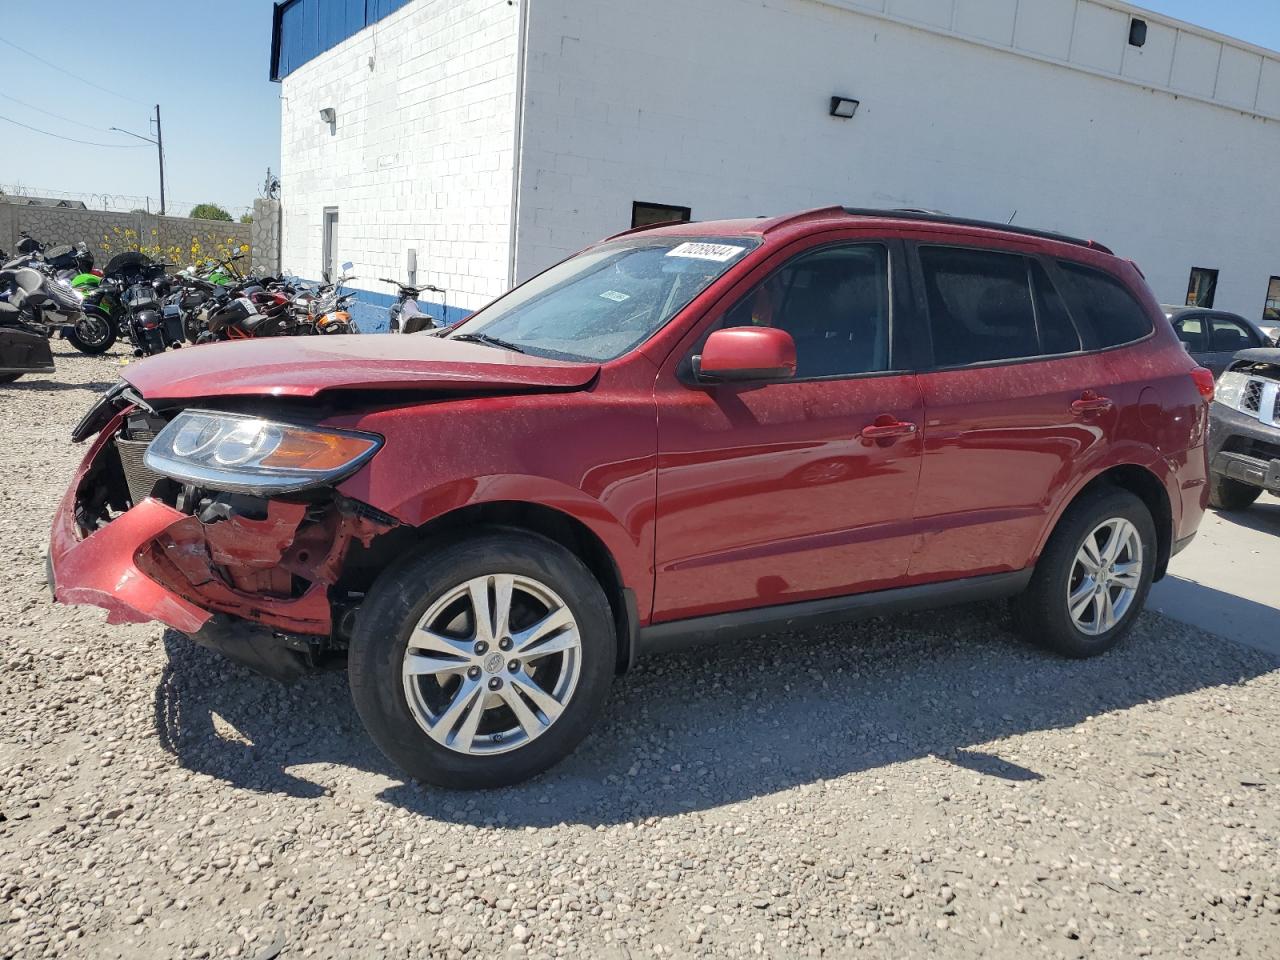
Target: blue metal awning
304, 29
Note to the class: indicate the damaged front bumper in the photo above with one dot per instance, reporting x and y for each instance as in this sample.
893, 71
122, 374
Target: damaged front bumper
199, 561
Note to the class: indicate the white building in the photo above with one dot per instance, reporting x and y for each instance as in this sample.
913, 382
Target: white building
487, 139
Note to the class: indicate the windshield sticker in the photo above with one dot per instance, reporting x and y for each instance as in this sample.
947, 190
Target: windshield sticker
719, 252
615, 296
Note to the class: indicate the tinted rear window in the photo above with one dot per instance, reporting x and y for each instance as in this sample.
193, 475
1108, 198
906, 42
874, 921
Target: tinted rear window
1106, 304
980, 306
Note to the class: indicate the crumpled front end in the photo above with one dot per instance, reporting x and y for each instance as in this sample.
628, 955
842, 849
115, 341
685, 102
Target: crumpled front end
145, 547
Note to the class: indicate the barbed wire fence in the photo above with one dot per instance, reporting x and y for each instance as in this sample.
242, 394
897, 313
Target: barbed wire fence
120, 202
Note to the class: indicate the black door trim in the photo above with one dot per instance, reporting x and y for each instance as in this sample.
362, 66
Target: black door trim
700, 631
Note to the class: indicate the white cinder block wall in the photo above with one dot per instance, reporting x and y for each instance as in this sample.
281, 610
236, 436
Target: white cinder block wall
981, 108
420, 155
1038, 109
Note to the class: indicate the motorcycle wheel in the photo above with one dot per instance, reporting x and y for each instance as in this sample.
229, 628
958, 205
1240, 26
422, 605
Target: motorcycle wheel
93, 334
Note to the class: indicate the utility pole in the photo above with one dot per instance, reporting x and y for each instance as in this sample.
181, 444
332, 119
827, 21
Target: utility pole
159, 145
160, 150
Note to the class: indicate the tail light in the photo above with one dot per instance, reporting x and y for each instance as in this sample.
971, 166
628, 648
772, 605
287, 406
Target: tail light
1204, 382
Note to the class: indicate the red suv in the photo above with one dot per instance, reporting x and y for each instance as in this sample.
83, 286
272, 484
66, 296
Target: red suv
683, 434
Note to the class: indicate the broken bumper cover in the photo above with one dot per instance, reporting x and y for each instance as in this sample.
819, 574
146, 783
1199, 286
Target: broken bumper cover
102, 569
153, 562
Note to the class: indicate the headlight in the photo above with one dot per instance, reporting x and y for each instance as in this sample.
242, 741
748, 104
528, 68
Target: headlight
1230, 389
248, 455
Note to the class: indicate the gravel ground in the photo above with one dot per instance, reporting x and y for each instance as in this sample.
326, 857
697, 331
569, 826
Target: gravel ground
918, 786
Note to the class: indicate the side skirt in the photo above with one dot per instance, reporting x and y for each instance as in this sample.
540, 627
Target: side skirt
700, 631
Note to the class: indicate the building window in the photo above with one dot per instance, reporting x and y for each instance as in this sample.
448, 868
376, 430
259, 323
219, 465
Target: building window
330, 263
651, 214
1203, 288
1272, 309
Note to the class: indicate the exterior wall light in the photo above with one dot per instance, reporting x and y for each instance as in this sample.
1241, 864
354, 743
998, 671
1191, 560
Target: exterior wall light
328, 115
844, 108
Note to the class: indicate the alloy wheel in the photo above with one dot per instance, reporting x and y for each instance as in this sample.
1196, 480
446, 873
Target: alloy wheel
1105, 577
492, 664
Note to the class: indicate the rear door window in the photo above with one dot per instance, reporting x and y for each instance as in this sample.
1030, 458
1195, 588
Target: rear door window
1057, 333
1227, 336
981, 307
1115, 315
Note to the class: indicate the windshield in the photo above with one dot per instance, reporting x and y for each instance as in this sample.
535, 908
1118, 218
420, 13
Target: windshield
602, 303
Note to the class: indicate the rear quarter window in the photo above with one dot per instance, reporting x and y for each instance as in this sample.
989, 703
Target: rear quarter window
1114, 314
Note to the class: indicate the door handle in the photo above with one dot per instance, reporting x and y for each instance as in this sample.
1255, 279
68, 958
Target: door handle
887, 428
1090, 402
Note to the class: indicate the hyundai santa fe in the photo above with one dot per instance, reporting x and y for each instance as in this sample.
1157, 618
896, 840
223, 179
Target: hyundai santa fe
681, 435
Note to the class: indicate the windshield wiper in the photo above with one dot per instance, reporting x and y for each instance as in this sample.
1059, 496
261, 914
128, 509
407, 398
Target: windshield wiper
488, 341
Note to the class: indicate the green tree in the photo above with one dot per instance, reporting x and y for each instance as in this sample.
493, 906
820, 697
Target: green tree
209, 211
246, 218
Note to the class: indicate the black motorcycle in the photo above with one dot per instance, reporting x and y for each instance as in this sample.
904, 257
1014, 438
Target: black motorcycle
132, 296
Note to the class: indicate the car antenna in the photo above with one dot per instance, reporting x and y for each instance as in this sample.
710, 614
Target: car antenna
1014, 217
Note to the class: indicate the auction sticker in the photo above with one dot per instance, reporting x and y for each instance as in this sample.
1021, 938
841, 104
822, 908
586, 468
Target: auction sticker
719, 252
616, 296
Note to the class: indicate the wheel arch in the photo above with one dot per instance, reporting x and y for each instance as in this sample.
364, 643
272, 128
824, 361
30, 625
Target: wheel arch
1147, 486
562, 528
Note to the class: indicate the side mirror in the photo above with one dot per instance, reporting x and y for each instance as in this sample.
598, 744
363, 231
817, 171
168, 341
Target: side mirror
348, 267
739, 354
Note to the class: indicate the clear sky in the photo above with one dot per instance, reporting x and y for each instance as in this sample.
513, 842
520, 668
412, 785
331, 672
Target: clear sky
206, 64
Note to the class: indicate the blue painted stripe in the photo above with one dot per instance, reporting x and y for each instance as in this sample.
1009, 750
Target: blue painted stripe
370, 310
304, 29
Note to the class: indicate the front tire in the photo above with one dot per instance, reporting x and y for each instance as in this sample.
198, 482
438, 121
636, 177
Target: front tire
1092, 579
94, 334
483, 662
1227, 494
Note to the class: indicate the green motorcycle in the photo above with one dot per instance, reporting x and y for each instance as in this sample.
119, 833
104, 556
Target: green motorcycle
96, 331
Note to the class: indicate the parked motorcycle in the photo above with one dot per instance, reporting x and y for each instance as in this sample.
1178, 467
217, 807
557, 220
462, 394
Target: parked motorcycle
128, 299
405, 314
33, 306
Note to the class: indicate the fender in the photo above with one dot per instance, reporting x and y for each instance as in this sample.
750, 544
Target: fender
591, 456
633, 555
1122, 453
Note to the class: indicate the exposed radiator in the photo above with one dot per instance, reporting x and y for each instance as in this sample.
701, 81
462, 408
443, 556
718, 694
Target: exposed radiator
141, 481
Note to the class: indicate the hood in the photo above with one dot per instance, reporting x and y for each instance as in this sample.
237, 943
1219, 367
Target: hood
308, 366
1258, 355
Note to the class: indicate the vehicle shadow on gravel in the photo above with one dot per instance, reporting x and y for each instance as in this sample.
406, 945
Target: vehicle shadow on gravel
711, 728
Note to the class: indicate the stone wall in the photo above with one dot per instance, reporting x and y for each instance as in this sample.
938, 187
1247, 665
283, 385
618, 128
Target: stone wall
178, 240
264, 238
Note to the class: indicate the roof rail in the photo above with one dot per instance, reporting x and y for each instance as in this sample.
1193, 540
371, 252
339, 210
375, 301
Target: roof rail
930, 217
643, 228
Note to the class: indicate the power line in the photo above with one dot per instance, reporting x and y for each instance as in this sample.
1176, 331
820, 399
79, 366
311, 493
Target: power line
55, 116
88, 143
74, 76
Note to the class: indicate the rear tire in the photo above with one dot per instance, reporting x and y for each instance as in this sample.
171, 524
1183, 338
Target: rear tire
440, 709
1227, 494
9, 377
1071, 612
